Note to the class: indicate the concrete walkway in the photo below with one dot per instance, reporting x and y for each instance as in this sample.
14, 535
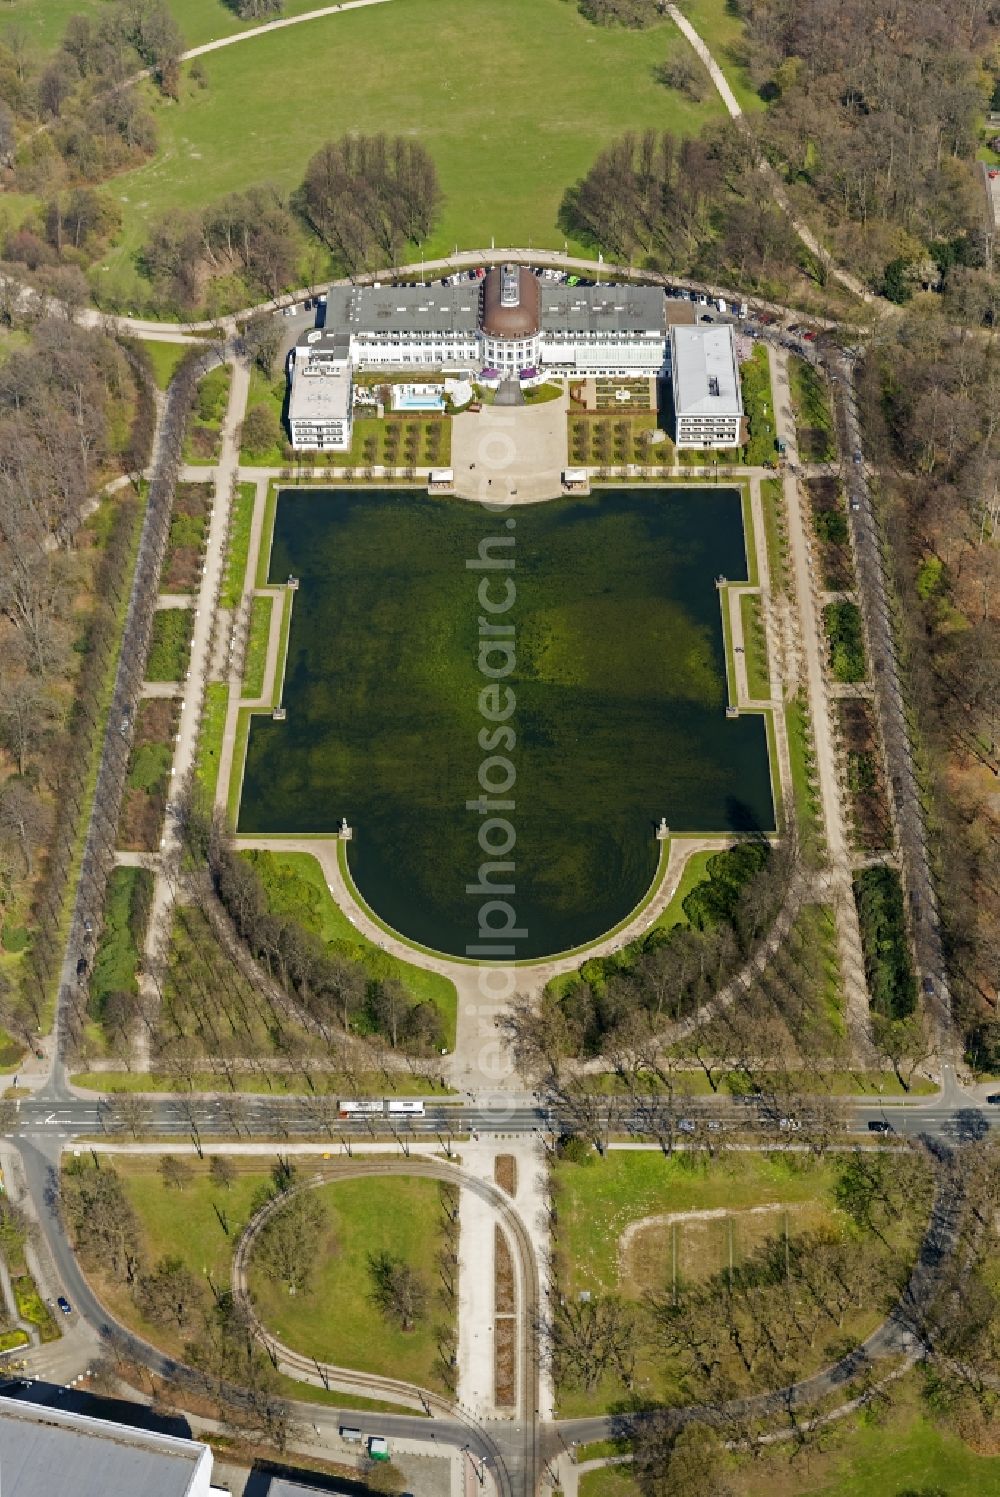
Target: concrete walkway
840, 887
511, 455
476, 1281
185, 749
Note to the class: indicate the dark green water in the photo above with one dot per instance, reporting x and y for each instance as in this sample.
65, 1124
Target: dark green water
619, 686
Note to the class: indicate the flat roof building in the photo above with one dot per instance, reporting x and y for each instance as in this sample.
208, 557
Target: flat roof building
507, 320
705, 376
320, 398
45, 1452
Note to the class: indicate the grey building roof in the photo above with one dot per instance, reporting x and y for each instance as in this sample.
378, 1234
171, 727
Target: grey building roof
705, 372
321, 379
403, 309
603, 309
44, 1452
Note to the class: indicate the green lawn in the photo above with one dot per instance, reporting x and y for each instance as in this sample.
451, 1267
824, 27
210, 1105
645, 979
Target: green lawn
240, 522
268, 1083
472, 92
597, 1201
334, 1319
168, 651
772, 500
44, 21
296, 885
164, 358
11, 339
758, 405
200, 1223
804, 784
813, 417
213, 725
203, 439
614, 439
721, 28
117, 957
256, 652
270, 393
755, 645
695, 872
608, 1481
904, 1454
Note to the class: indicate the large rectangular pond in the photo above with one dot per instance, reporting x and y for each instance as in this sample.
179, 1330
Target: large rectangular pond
618, 680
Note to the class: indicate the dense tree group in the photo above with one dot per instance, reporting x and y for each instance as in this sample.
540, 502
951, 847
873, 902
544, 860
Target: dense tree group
334, 988
251, 235
685, 206
367, 196
71, 415
930, 397
875, 111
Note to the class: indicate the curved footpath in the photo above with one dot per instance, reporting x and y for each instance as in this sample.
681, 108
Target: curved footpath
528, 1314
480, 1059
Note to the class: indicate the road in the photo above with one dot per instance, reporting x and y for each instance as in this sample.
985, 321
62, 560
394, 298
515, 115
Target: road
50, 1122
514, 1451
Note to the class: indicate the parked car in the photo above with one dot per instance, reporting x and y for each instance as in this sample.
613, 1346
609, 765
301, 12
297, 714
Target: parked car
879, 1125
789, 1125
686, 1125
994, 1099
855, 503
857, 455
64, 1305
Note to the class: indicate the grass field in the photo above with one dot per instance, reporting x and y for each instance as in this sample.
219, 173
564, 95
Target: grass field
164, 358
203, 440
900, 1454
508, 131
904, 1452
117, 955
240, 522
168, 652
43, 22
758, 404
771, 494
256, 653
695, 872
718, 26
213, 724
755, 645
597, 1202
813, 417
334, 1320
265, 1082
802, 758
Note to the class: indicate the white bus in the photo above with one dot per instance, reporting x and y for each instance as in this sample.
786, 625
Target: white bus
380, 1106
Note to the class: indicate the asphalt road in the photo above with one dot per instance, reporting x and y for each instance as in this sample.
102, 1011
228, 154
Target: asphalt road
42, 1120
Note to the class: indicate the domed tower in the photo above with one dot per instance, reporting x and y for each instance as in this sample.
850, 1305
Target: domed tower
511, 319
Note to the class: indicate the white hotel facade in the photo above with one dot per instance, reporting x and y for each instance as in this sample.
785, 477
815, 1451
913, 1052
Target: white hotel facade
508, 322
